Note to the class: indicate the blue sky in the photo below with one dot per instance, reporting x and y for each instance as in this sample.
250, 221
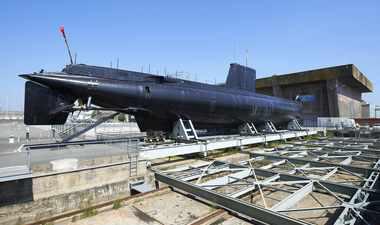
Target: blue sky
200, 38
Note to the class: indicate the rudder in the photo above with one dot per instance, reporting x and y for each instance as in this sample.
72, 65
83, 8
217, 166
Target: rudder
40, 103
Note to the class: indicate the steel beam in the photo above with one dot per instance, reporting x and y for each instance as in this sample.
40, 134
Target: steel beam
274, 164
347, 161
214, 183
150, 153
329, 174
346, 216
330, 153
371, 151
253, 187
339, 188
273, 178
355, 169
254, 212
345, 189
294, 198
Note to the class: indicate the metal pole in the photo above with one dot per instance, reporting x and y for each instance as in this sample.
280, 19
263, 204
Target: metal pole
7, 106
62, 29
28, 159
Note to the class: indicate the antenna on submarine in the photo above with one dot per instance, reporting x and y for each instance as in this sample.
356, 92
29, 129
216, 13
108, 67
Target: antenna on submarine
62, 29
246, 61
246, 57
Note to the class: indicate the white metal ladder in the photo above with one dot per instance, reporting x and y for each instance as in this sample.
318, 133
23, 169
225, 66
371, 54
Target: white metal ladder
184, 129
248, 128
269, 127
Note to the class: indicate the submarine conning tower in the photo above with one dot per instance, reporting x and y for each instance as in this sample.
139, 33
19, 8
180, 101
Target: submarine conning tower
241, 77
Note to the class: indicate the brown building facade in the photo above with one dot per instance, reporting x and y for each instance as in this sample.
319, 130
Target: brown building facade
328, 92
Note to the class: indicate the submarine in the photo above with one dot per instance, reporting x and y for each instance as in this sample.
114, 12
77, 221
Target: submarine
157, 102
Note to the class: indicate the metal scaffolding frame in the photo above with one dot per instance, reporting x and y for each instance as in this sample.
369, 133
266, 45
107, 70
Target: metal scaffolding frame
364, 148
316, 162
326, 154
204, 145
228, 185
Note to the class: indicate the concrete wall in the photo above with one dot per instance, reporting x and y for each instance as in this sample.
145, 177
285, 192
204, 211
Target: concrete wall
332, 98
349, 101
337, 90
366, 111
348, 107
311, 110
47, 207
60, 192
370, 111
43, 168
62, 183
16, 191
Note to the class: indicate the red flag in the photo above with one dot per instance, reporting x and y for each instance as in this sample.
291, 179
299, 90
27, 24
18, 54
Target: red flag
62, 29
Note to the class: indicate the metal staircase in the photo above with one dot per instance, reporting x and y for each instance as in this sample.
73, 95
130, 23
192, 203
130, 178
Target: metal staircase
68, 132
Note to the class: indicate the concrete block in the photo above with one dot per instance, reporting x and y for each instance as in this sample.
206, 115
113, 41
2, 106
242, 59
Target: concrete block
64, 164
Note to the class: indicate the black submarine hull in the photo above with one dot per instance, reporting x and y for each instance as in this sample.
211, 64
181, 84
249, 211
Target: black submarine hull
158, 101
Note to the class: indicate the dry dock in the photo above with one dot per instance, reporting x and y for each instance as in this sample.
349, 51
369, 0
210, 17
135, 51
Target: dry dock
293, 180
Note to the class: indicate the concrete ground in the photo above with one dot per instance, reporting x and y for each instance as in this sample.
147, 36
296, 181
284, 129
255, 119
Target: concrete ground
228, 220
173, 208
169, 208
17, 129
47, 155
124, 216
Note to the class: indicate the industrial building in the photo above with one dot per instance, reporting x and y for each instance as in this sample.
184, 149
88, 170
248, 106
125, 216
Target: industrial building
329, 92
370, 110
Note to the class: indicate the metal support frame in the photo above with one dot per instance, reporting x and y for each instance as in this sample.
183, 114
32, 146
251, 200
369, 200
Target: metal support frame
294, 125
328, 153
211, 144
349, 214
354, 169
248, 129
269, 127
184, 130
239, 178
294, 198
363, 150
347, 157
232, 204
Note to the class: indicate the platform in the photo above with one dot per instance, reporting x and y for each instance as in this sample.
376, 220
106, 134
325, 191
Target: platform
14, 173
206, 145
